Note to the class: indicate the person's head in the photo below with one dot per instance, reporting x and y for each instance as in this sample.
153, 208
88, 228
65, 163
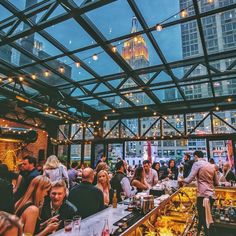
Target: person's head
138, 173
52, 162
101, 166
88, 175
28, 163
156, 166
103, 158
10, 225
226, 166
4, 172
103, 178
118, 159
120, 166
186, 157
58, 193
39, 188
212, 161
146, 165
171, 163
74, 165
217, 168
198, 154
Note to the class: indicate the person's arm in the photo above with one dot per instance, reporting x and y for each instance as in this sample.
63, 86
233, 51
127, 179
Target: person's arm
139, 185
155, 178
216, 179
18, 182
125, 184
30, 217
192, 174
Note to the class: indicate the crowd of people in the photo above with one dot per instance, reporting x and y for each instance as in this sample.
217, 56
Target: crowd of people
43, 198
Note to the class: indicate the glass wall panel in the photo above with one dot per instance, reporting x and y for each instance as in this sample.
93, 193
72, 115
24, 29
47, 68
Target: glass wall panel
87, 154
75, 153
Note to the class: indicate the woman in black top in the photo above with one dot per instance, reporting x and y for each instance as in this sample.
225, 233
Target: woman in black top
173, 170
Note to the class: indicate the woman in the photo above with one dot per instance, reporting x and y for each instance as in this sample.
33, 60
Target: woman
29, 206
100, 166
10, 225
54, 170
103, 183
156, 166
138, 180
173, 170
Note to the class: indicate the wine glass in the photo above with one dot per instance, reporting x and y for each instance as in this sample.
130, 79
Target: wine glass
122, 196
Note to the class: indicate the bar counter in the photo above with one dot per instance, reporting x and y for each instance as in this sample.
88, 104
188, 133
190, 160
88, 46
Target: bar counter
93, 225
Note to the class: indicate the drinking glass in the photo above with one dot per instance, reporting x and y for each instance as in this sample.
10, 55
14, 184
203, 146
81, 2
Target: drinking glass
68, 225
122, 196
76, 222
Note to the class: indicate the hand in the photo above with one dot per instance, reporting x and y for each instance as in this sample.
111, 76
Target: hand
51, 227
181, 182
53, 219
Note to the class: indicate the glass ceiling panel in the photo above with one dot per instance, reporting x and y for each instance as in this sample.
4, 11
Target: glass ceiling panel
21, 5
96, 104
225, 88
139, 99
205, 6
73, 36
4, 13
117, 102
70, 70
168, 95
197, 91
163, 11
39, 46
103, 65
51, 79
103, 18
219, 31
139, 48
58, 11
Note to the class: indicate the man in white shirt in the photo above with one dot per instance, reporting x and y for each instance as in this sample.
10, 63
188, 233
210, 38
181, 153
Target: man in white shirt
151, 176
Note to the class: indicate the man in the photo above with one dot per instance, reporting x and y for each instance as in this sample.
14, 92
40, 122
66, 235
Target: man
73, 174
57, 204
228, 173
149, 173
29, 172
120, 182
87, 198
188, 163
102, 159
207, 178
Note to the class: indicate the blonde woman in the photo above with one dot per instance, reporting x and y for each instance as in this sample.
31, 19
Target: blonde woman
103, 183
54, 170
29, 206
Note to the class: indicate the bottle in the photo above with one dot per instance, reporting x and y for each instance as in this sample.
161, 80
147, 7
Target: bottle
114, 200
105, 230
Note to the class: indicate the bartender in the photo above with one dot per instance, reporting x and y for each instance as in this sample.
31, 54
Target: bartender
207, 178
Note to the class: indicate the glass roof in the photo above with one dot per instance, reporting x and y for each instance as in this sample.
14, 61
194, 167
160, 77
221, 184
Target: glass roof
115, 58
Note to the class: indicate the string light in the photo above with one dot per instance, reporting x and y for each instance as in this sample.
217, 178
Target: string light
158, 28
33, 76
210, 1
10, 80
21, 78
61, 69
229, 99
46, 73
217, 108
113, 111
105, 117
154, 113
77, 64
114, 49
95, 57
184, 13
0, 80
145, 108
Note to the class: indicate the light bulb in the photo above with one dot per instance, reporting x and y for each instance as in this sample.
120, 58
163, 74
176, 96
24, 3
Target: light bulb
95, 57
158, 28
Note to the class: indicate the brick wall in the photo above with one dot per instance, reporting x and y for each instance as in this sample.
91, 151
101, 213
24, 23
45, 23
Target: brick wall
12, 152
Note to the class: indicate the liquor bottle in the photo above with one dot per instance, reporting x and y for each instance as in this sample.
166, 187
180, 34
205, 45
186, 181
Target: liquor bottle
105, 230
114, 200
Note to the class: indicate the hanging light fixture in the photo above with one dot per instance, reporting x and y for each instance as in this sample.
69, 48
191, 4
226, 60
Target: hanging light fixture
114, 49
184, 13
158, 28
77, 64
61, 69
95, 57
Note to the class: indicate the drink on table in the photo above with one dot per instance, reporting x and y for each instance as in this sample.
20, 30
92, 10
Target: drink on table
114, 200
